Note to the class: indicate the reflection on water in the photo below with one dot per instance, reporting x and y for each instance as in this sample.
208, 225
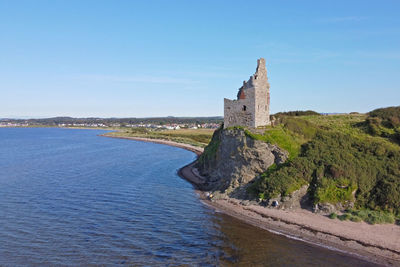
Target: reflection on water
69, 197
246, 245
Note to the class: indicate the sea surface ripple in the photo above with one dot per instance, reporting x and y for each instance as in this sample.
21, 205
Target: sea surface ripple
73, 198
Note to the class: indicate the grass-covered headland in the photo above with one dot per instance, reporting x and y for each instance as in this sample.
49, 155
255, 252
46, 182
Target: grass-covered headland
348, 160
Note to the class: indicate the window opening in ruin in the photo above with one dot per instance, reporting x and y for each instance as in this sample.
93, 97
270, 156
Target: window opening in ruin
244, 108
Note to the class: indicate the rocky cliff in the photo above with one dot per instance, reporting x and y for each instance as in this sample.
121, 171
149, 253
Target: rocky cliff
233, 159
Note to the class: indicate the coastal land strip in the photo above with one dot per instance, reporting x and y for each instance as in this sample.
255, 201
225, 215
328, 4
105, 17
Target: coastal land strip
376, 243
195, 149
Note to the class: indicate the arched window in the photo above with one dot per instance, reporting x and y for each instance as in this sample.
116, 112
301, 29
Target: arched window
244, 108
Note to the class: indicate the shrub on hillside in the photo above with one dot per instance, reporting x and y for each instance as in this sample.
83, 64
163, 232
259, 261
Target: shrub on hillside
210, 151
390, 117
336, 165
297, 113
383, 122
300, 127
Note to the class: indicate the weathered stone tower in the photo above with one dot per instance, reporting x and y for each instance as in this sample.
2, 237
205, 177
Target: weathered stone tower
251, 108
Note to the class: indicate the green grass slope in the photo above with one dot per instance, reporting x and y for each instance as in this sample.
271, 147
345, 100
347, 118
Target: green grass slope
340, 158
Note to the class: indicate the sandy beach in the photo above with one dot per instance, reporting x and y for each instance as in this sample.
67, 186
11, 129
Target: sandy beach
376, 243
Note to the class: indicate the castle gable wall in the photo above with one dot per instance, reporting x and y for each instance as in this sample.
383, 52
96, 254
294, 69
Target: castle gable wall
239, 112
251, 109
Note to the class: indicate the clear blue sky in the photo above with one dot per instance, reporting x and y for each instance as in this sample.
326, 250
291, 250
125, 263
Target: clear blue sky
181, 58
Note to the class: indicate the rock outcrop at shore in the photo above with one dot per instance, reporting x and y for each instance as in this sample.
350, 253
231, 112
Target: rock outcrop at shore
233, 159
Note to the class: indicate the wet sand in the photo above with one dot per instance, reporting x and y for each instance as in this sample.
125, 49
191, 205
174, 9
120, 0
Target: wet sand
376, 243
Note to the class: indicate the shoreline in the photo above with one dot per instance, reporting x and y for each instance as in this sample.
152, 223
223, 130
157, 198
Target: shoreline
342, 236
358, 239
197, 150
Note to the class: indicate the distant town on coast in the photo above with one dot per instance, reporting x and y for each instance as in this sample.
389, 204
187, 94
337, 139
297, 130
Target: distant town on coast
168, 123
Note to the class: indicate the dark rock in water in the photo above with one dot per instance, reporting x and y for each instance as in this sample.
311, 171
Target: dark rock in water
233, 159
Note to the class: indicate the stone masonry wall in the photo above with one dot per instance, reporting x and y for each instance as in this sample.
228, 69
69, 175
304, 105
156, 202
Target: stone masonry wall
251, 109
262, 95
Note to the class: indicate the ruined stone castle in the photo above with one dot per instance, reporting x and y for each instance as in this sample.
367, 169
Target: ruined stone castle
251, 108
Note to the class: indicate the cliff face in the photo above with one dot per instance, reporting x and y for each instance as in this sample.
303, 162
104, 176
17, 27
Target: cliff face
233, 159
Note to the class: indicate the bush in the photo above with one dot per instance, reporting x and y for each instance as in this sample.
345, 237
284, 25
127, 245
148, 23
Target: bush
300, 127
297, 113
374, 126
344, 217
390, 117
210, 151
383, 122
355, 219
335, 165
374, 217
369, 216
332, 191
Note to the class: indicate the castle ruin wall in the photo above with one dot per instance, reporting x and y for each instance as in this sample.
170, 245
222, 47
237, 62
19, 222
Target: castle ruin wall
251, 109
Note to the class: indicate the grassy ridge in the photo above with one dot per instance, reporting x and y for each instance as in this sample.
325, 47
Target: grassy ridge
340, 160
384, 122
297, 113
280, 136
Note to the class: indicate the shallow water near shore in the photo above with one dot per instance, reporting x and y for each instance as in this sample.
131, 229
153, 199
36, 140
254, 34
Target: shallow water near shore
70, 197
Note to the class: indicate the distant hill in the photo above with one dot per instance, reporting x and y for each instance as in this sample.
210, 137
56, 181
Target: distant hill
297, 113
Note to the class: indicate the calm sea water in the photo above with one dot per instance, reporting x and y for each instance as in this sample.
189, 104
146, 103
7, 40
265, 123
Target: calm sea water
70, 197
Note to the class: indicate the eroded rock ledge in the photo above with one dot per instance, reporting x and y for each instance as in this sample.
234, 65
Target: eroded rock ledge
233, 159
